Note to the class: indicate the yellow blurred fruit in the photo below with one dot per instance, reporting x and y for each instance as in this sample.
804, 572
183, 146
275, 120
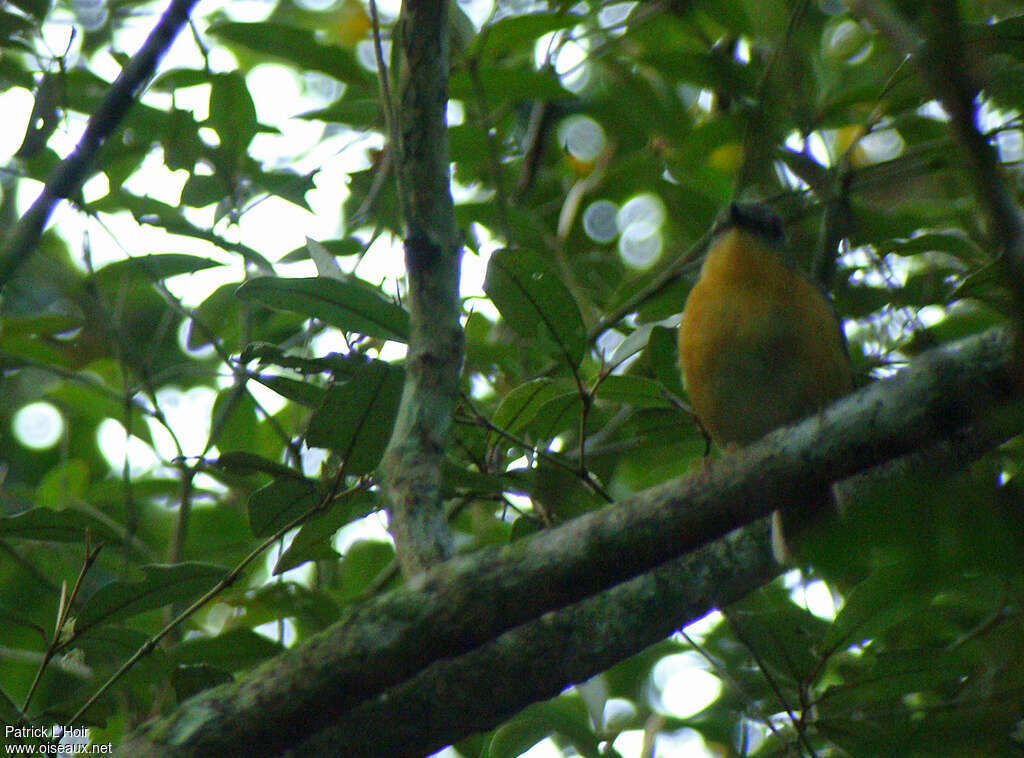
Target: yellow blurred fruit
726, 157
577, 166
846, 139
350, 23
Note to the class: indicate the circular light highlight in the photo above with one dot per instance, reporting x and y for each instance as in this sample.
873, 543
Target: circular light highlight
640, 244
582, 137
599, 221
645, 208
38, 426
684, 686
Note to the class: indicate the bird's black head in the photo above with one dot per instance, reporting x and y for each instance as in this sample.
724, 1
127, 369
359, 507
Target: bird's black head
752, 217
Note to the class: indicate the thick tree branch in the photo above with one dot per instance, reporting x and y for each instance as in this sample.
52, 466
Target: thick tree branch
470, 600
67, 179
412, 462
453, 698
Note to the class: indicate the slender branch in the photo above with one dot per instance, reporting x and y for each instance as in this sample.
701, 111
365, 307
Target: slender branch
578, 470
67, 179
64, 605
226, 581
412, 462
667, 277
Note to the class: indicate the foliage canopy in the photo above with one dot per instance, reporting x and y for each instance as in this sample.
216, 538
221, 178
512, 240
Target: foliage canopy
591, 145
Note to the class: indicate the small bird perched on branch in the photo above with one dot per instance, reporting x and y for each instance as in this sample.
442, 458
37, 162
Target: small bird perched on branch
759, 343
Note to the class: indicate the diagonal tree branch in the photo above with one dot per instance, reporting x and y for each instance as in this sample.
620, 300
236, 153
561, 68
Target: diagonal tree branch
967, 392
478, 690
68, 177
412, 462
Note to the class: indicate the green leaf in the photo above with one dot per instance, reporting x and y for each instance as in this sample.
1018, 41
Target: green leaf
521, 405
153, 268
311, 607
280, 502
106, 649
351, 305
363, 561
356, 418
564, 715
313, 540
289, 185
882, 600
304, 393
193, 679
342, 247
55, 526
15, 347
298, 46
147, 210
232, 113
361, 113
63, 484
9, 712
249, 463
182, 144
162, 585
232, 651
889, 676
332, 363
537, 306
201, 190
637, 391
43, 325
515, 32
663, 358
784, 635
504, 84
235, 424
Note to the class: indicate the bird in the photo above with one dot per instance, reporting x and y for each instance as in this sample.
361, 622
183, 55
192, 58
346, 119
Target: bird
760, 345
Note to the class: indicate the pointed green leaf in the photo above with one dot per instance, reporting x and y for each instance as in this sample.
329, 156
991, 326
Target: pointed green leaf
882, 600
241, 462
521, 405
153, 268
313, 540
55, 526
298, 46
637, 391
352, 305
231, 651
363, 561
342, 247
297, 391
232, 113
516, 31
162, 585
277, 504
356, 418
535, 303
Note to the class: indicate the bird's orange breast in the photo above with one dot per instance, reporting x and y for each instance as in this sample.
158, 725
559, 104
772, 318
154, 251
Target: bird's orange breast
759, 345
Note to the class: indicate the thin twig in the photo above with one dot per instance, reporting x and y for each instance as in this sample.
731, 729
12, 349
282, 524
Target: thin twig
683, 264
63, 611
230, 578
576, 470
